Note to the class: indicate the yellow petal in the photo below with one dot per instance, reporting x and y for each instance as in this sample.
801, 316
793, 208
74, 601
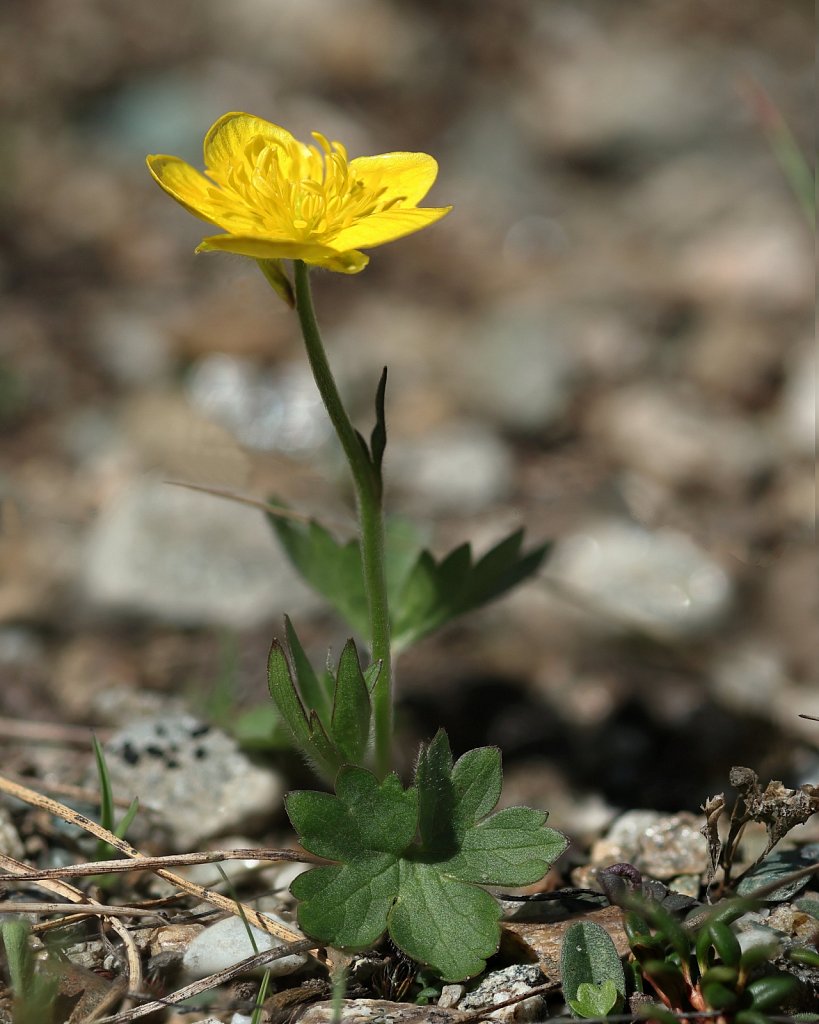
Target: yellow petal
403, 175
378, 228
228, 138
346, 262
185, 184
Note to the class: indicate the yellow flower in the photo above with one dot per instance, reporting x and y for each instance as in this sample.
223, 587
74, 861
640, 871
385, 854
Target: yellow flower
278, 198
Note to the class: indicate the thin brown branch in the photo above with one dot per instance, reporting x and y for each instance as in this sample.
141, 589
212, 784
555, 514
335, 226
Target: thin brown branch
20, 730
254, 917
250, 963
145, 863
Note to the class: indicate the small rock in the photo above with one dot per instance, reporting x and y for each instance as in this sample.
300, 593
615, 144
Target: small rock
11, 845
462, 467
520, 370
799, 407
227, 942
189, 558
656, 581
380, 1011
508, 983
450, 996
657, 845
265, 411
193, 776
677, 441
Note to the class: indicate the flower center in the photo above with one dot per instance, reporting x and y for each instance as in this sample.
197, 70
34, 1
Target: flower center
298, 192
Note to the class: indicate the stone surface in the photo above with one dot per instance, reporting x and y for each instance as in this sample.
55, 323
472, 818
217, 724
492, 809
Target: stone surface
188, 558
227, 942
508, 983
521, 369
658, 581
192, 776
677, 440
10, 843
544, 940
381, 1011
460, 467
658, 845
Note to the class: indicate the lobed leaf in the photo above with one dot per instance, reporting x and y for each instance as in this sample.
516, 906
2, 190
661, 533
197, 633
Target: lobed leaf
408, 858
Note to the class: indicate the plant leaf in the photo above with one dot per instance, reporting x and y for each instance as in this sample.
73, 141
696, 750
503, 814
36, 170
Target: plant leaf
589, 957
779, 865
351, 714
424, 593
437, 592
409, 858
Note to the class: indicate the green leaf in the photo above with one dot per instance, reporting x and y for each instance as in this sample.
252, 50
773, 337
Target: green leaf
409, 859
378, 438
278, 280
596, 1000
769, 993
588, 957
351, 714
316, 693
329, 566
779, 865
309, 734
261, 728
437, 592
424, 593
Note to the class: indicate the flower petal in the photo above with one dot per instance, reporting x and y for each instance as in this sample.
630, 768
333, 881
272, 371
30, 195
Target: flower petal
228, 138
346, 262
407, 176
184, 184
378, 228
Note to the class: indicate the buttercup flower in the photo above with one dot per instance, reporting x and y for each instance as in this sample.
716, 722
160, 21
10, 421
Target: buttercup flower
278, 198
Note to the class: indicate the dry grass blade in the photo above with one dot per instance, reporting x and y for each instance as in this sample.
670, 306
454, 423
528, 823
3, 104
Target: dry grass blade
251, 963
254, 917
73, 895
146, 863
26, 907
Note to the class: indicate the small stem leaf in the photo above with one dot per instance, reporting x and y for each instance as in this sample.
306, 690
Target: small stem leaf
436, 592
462, 933
315, 695
350, 722
588, 956
719, 997
426, 875
378, 438
285, 695
331, 567
321, 750
278, 280
770, 992
127, 819
725, 943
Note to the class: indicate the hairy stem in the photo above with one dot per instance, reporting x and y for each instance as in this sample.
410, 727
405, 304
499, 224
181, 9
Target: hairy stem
370, 515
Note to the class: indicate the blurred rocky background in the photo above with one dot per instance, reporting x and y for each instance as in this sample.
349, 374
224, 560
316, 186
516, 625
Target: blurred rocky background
610, 340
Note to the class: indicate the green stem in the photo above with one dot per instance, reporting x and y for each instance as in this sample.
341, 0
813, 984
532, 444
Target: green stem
371, 517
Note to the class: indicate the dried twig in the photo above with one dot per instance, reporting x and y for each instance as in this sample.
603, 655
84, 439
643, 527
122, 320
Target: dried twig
254, 917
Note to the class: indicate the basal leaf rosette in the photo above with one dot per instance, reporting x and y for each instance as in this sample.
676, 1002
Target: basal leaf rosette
278, 198
410, 861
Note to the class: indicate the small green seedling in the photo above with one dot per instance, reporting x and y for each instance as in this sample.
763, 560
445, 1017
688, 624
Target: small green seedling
594, 984
108, 820
701, 966
33, 991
